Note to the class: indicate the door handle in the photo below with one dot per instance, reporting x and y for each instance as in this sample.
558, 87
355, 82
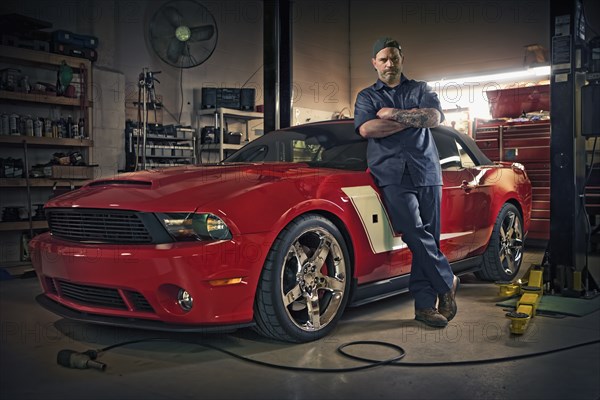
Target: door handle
466, 187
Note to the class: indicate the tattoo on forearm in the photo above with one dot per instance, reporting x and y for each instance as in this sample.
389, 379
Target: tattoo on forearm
417, 117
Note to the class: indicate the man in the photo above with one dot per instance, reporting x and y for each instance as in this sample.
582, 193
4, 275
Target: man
395, 115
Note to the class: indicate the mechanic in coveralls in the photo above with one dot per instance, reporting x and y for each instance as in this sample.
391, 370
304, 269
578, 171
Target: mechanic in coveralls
395, 115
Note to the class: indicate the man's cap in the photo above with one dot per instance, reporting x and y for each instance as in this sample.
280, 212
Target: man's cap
384, 42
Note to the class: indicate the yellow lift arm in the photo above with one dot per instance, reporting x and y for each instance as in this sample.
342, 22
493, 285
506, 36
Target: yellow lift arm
531, 291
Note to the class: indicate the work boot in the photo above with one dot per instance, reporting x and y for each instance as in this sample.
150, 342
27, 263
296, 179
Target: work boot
431, 317
447, 302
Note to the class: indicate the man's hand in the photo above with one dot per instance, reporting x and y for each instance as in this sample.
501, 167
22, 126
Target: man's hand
386, 113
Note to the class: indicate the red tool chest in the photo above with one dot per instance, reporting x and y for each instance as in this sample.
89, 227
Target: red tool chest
528, 143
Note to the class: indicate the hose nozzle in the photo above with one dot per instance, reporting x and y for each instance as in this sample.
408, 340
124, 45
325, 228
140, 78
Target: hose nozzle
73, 359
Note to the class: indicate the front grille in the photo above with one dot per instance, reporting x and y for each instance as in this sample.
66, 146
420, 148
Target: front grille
99, 296
104, 226
139, 302
92, 295
51, 286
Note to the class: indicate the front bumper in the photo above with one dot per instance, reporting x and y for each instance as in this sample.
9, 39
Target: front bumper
137, 285
74, 315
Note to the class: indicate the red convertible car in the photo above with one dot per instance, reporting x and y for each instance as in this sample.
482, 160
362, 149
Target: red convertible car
282, 236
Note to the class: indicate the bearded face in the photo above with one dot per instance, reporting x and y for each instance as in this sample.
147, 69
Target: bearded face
388, 63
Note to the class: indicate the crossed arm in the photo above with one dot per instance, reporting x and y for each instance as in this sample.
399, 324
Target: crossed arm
392, 120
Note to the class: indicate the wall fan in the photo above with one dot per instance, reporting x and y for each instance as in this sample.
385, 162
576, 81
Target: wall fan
183, 33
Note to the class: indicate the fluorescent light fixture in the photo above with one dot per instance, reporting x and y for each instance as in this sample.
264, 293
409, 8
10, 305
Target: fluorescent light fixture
504, 76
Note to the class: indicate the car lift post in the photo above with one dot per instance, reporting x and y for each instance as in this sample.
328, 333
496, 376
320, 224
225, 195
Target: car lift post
567, 272
568, 243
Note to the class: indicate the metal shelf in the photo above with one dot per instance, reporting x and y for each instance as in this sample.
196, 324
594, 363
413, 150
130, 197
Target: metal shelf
164, 138
220, 115
224, 146
231, 113
41, 182
40, 98
22, 225
45, 141
42, 58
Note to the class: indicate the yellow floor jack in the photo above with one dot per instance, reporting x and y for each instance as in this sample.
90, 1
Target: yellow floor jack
531, 289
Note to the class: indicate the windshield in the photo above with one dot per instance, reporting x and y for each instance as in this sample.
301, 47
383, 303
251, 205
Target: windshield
320, 145
335, 145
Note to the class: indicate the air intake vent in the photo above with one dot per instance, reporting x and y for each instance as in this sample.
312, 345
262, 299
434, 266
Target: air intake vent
51, 286
92, 295
139, 302
98, 226
120, 182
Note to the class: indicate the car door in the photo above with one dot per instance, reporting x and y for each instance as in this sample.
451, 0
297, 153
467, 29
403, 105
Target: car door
461, 208
460, 205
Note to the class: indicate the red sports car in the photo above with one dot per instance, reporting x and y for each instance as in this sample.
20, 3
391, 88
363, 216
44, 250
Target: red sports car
282, 236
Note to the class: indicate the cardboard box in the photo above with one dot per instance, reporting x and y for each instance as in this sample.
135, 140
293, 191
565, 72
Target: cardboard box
69, 172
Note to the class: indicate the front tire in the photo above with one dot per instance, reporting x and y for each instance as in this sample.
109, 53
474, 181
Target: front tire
504, 254
305, 282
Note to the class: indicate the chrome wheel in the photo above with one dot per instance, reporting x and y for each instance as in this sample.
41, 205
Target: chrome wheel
305, 282
504, 254
511, 243
313, 279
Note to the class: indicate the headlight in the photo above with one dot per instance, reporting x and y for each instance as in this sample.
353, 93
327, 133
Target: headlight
187, 227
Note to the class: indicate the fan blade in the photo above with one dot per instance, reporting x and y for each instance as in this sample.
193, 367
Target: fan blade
175, 50
202, 33
188, 59
173, 16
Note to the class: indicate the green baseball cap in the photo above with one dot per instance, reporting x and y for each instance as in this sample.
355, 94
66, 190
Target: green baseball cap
384, 42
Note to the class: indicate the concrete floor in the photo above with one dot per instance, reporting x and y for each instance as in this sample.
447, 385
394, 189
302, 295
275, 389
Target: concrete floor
31, 337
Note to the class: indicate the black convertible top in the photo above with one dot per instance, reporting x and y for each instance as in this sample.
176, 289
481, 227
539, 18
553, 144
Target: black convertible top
343, 131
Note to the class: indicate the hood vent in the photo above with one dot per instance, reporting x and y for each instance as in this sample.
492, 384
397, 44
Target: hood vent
120, 182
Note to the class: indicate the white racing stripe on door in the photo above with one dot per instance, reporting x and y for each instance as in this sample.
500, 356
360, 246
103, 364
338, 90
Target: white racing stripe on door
376, 222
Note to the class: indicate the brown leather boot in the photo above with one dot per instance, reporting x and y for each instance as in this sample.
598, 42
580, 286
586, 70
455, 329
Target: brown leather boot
431, 317
447, 302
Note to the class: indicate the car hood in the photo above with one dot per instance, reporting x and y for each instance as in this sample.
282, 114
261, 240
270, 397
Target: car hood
185, 189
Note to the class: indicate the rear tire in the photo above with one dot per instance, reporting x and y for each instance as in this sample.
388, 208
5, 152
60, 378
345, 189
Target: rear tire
504, 254
305, 282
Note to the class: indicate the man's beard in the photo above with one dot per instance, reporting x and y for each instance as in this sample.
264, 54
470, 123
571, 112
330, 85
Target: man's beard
390, 75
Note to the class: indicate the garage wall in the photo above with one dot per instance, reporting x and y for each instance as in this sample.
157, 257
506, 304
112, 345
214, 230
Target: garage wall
445, 39
440, 39
321, 59
321, 56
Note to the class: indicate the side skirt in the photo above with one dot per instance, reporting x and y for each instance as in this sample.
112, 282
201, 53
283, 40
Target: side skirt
379, 290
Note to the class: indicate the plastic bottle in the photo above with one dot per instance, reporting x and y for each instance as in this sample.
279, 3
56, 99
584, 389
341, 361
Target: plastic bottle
81, 127
5, 124
29, 125
47, 127
37, 127
69, 127
14, 124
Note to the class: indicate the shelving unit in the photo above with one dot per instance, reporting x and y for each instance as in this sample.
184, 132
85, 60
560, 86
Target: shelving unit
221, 115
15, 56
41, 66
162, 150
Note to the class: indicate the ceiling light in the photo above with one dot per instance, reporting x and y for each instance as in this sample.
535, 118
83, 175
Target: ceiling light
535, 72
